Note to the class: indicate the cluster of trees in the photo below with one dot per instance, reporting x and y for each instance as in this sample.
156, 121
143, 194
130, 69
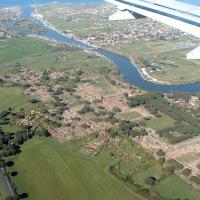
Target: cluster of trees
186, 172
127, 128
4, 165
113, 169
195, 180
174, 165
86, 109
156, 103
10, 142
186, 123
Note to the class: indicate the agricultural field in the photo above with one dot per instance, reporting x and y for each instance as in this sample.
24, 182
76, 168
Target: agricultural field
48, 163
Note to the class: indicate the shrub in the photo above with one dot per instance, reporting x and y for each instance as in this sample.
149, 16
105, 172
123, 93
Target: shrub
186, 172
174, 164
150, 180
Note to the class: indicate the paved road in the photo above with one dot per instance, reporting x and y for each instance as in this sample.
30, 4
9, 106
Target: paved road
6, 183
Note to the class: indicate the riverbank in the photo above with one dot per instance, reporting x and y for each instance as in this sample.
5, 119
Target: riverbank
126, 68
146, 75
36, 15
159, 73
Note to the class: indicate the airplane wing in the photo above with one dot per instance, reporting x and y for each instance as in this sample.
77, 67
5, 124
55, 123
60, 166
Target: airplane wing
183, 16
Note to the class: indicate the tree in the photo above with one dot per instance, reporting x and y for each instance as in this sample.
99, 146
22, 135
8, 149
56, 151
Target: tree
160, 153
2, 163
186, 172
116, 109
34, 101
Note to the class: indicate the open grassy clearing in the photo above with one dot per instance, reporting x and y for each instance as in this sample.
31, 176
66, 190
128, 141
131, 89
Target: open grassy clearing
160, 123
14, 49
174, 187
102, 82
61, 60
50, 170
12, 97
178, 74
131, 116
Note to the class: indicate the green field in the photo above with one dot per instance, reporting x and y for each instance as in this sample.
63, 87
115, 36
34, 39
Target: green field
38, 54
66, 60
160, 123
174, 187
131, 116
50, 170
12, 97
14, 49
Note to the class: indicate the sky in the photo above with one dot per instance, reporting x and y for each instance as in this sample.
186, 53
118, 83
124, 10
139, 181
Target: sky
7, 3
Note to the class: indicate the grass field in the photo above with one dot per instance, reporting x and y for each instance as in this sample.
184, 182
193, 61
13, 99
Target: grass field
50, 170
12, 97
39, 54
131, 116
66, 60
14, 49
160, 123
174, 187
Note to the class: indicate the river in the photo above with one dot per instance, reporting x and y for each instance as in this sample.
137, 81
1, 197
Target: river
127, 69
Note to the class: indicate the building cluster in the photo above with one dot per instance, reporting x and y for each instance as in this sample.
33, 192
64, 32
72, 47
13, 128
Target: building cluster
69, 9
4, 35
10, 13
102, 32
5, 15
141, 29
192, 103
